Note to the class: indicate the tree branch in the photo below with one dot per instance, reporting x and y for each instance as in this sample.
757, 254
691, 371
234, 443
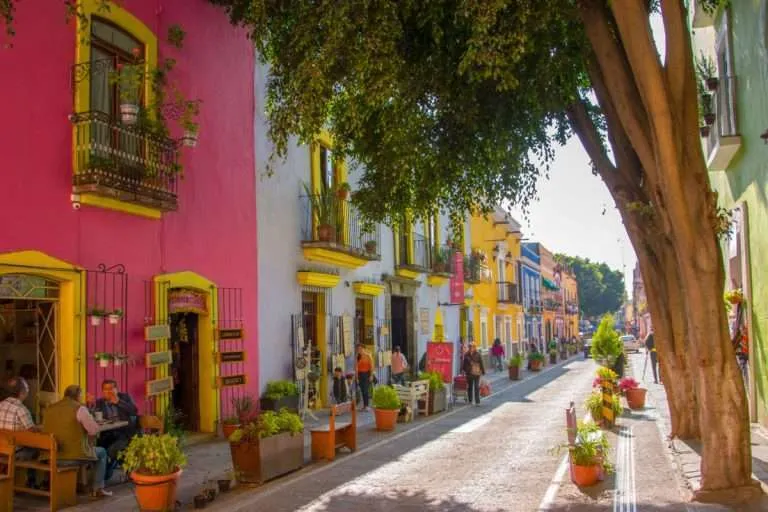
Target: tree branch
624, 94
678, 61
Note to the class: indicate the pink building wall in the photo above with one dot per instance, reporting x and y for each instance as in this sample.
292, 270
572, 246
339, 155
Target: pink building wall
213, 233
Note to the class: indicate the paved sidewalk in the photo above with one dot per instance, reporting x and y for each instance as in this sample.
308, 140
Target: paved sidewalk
685, 454
211, 459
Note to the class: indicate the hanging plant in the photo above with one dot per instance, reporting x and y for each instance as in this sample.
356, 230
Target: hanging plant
734, 296
96, 315
103, 358
120, 359
115, 316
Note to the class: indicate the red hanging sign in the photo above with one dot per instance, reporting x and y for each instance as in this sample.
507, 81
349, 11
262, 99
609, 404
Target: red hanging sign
440, 359
457, 281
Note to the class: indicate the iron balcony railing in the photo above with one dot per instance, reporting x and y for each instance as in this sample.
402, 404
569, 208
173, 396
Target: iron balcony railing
128, 163
442, 260
724, 108
507, 292
419, 256
475, 270
333, 221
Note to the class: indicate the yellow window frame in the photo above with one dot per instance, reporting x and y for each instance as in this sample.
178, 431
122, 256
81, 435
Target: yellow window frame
82, 98
325, 140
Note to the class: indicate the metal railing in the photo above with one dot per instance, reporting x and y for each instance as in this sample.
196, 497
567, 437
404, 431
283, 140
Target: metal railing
420, 255
129, 163
507, 292
474, 268
332, 220
724, 102
442, 260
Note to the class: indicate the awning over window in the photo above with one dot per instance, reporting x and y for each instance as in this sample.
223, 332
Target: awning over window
549, 284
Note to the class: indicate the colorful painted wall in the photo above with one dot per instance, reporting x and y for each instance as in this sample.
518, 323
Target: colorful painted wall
213, 232
744, 183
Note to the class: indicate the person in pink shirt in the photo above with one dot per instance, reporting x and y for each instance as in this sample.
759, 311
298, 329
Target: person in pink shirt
399, 365
497, 354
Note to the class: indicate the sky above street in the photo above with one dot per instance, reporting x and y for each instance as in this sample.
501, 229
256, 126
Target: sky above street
576, 215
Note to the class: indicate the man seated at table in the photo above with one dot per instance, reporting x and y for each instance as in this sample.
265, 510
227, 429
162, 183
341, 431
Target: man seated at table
75, 431
116, 406
15, 416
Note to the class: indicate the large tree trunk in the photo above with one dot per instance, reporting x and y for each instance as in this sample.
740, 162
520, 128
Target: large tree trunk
657, 112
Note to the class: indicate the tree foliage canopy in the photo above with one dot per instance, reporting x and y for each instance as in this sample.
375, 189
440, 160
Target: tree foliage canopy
601, 289
443, 102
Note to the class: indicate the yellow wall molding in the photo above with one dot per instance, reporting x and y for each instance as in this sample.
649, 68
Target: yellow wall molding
207, 325
318, 279
407, 273
333, 257
363, 288
120, 206
133, 25
436, 280
71, 317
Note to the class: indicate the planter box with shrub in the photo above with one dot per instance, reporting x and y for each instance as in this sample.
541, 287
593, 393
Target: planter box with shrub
280, 394
268, 448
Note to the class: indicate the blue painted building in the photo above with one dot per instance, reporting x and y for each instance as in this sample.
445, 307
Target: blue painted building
530, 282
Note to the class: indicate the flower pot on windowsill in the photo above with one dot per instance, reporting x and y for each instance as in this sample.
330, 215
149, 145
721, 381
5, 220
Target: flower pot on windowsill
709, 119
190, 138
129, 113
712, 83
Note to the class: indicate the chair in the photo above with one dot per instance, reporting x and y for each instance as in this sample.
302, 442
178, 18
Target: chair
8, 460
151, 424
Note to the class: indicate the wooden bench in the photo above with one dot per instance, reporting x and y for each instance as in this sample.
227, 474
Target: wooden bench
62, 490
573, 436
326, 439
414, 392
7, 460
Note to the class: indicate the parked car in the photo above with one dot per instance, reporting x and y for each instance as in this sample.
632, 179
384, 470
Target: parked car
631, 344
587, 348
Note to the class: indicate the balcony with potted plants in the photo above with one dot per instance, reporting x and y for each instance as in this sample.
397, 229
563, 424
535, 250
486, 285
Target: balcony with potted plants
333, 231
475, 267
122, 146
717, 114
442, 266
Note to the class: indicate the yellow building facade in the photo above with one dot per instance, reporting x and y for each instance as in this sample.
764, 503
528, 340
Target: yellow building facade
570, 289
495, 303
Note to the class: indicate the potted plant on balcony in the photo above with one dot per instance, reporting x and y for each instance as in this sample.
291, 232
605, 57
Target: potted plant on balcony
386, 407
271, 446
343, 190
706, 72
119, 359
513, 366
129, 79
370, 247
244, 408
191, 109
442, 257
103, 358
280, 394
114, 316
154, 463
536, 359
323, 206
437, 399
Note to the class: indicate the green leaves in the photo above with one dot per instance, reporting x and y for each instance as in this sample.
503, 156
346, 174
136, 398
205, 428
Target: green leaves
601, 289
439, 103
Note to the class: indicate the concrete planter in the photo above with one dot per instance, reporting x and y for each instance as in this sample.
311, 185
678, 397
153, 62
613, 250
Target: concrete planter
260, 460
437, 401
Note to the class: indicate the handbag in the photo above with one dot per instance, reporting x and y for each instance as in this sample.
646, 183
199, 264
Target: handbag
475, 369
485, 388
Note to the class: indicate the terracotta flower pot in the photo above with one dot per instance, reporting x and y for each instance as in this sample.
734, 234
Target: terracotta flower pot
228, 429
156, 492
514, 372
536, 366
636, 398
326, 233
584, 476
386, 419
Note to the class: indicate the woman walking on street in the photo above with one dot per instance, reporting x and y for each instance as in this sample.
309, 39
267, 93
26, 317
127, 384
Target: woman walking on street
399, 365
473, 368
497, 354
364, 370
